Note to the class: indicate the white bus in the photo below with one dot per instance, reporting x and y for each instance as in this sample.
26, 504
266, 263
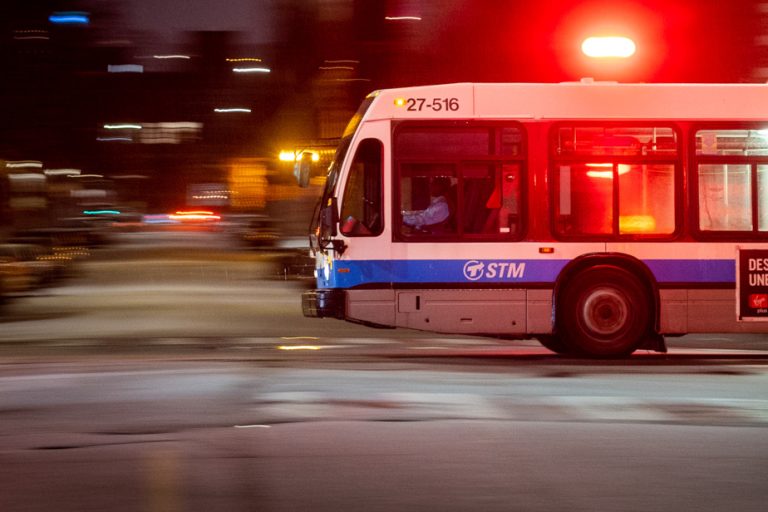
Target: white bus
596, 217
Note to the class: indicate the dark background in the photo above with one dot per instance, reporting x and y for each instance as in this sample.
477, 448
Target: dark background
57, 94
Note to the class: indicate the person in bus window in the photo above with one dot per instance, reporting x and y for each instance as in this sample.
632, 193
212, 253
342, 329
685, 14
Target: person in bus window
438, 213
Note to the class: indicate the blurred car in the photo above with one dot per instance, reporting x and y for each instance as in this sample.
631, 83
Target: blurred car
24, 267
90, 231
260, 231
64, 244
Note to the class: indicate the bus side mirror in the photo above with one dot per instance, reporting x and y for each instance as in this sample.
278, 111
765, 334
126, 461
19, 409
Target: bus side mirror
329, 218
302, 168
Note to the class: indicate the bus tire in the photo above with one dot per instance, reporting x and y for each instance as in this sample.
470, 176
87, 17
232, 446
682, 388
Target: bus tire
604, 312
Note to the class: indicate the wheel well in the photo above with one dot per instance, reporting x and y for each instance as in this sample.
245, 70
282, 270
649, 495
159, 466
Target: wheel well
620, 261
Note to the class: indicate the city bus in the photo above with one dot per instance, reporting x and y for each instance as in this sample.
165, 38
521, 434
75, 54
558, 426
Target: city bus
596, 217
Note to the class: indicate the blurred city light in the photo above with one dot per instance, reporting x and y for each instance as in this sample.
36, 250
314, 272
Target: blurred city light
194, 215
125, 68
608, 46
69, 18
252, 70
24, 164
101, 212
122, 126
62, 172
24, 35
114, 139
231, 110
295, 156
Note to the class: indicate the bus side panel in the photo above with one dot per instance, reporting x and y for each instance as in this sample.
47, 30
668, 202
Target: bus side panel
673, 311
703, 311
539, 314
715, 311
463, 311
371, 306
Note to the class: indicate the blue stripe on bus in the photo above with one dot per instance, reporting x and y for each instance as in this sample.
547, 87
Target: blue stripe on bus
347, 274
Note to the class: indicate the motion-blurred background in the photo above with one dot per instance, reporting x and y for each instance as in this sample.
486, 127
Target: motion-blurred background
114, 109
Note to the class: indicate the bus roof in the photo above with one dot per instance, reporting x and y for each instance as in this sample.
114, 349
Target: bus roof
573, 100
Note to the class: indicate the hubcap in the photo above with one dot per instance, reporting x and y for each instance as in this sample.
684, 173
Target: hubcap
605, 311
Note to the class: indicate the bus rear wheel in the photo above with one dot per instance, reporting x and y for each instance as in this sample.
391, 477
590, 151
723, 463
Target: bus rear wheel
604, 311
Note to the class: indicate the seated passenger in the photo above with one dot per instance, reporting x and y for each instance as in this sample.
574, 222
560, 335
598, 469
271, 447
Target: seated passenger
437, 213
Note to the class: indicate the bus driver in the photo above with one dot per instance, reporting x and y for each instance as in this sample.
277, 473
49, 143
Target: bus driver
437, 213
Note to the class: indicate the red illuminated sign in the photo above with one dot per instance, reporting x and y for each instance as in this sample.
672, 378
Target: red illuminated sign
758, 300
752, 285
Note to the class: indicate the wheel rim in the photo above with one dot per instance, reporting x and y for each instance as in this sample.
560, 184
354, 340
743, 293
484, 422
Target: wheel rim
605, 312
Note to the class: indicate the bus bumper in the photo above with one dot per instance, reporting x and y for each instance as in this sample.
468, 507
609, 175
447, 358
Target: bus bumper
323, 303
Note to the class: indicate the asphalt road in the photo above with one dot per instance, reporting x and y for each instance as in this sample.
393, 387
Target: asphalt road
174, 372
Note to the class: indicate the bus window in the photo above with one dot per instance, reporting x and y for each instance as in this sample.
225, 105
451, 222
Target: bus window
646, 199
443, 142
731, 179
428, 199
615, 180
361, 209
511, 141
585, 202
725, 197
491, 195
616, 140
484, 162
732, 142
478, 184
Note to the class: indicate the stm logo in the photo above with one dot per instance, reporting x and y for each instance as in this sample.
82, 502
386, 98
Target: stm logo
475, 270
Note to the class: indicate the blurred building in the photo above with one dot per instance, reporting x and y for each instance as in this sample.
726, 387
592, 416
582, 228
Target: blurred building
160, 96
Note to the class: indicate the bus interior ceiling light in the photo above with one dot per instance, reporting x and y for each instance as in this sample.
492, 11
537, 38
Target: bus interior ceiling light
592, 173
608, 46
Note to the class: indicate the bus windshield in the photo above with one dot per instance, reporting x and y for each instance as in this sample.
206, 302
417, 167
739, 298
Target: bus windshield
335, 168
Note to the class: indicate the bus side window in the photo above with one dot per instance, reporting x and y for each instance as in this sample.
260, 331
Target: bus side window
725, 198
361, 209
508, 220
479, 184
491, 199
